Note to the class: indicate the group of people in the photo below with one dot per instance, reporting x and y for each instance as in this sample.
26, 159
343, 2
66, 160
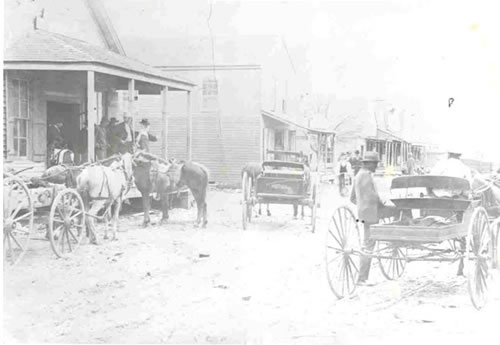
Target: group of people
348, 166
111, 137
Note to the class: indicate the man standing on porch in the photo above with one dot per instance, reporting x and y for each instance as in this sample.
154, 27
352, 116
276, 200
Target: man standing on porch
128, 138
101, 140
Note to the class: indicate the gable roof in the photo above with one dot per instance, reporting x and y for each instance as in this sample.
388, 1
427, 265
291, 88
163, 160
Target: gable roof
41, 46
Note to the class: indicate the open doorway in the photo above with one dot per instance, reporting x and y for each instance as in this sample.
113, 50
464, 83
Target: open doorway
69, 115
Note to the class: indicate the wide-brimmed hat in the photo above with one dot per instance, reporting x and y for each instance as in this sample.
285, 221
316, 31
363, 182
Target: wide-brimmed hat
145, 122
113, 120
370, 157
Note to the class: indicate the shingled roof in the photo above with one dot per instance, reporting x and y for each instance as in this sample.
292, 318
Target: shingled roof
41, 46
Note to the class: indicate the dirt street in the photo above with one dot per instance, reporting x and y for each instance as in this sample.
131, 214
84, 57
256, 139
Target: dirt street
180, 284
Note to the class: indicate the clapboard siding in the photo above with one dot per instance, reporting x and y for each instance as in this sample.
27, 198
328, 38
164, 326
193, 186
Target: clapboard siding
177, 137
224, 145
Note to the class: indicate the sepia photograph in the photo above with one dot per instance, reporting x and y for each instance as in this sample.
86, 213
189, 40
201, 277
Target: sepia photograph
251, 172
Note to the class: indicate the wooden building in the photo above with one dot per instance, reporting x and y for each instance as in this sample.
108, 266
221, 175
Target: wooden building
49, 76
282, 137
225, 125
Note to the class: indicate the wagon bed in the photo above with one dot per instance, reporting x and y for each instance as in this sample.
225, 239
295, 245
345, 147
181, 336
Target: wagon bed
280, 182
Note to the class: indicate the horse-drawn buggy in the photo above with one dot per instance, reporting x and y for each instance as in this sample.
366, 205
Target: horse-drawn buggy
61, 209
54, 201
438, 218
279, 182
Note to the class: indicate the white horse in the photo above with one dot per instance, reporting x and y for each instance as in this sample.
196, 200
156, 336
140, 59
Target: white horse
104, 187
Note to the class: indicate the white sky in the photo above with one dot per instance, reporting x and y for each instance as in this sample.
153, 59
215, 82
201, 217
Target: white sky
414, 54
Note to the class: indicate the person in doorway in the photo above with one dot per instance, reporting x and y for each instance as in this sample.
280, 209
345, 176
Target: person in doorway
82, 144
344, 169
370, 206
410, 165
355, 162
101, 140
54, 136
113, 137
144, 137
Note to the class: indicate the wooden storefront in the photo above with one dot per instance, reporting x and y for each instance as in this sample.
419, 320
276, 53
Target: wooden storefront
49, 76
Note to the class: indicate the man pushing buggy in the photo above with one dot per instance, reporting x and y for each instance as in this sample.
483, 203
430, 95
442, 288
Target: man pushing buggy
370, 206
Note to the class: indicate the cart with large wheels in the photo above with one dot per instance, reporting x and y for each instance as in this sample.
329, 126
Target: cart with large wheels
439, 220
280, 182
25, 205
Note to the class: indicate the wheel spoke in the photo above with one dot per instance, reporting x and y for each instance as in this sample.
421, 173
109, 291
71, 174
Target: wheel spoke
17, 242
353, 264
21, 217
335, 238
347, 274
334, 259
338, 231
69, 242
75, 215
16, 211
11, 252
341, 227
72, 235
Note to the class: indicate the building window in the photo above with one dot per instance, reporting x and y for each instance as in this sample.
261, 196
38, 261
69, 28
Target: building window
21, 117
210, 94
283, 106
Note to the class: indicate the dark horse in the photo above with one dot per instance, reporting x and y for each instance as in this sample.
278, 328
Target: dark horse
164, 178
153, 177
195, 177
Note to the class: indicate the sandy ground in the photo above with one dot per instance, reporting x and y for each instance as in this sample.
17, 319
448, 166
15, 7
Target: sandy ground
180, 284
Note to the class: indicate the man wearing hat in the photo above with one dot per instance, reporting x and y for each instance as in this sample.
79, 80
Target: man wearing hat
101, 139
113, 137
453, 166
125, 134
144, 137
370, 207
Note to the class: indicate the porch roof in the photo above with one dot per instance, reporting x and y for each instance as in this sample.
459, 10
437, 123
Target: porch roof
290, 123
43, 50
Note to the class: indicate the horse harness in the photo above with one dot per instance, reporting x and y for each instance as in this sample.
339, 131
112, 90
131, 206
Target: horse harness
105, 182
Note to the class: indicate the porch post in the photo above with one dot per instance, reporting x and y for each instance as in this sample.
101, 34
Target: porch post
91, 115
131, 101
164, 123
189, 127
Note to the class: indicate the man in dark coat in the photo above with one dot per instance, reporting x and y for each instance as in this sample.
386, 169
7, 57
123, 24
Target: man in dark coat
125, 132
101, 140
370, 207
113, 137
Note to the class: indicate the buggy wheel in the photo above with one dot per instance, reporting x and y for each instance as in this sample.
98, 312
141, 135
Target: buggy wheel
479, 257
343, 250
314, 206
66, 222
495, 229
392, 268
18, 214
